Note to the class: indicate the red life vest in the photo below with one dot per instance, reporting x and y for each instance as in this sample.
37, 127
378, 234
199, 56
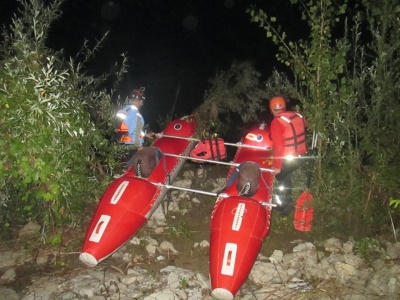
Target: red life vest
123, 129
211, 148
295, 133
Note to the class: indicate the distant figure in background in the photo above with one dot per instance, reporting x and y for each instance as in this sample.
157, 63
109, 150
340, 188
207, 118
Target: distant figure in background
131, 128
288, 134
132, 123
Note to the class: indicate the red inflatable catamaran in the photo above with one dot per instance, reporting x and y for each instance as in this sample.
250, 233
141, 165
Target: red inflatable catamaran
240, 219
130, 200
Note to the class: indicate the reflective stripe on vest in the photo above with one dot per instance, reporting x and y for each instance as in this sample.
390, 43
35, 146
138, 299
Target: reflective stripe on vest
122, 115
295, 138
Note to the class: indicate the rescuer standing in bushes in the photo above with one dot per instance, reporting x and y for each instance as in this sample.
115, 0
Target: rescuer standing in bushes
288, 134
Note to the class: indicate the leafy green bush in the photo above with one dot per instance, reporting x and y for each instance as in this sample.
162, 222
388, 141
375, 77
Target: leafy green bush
346, 74
368, 248
54, 155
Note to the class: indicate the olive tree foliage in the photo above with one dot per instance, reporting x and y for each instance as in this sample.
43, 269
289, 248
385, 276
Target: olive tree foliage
346, 75
235, 96
54, 155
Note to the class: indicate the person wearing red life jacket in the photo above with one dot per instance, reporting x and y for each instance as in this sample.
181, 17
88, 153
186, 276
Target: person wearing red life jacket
288, 134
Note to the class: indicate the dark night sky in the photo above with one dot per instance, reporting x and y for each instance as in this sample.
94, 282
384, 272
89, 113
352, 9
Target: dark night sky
169, 43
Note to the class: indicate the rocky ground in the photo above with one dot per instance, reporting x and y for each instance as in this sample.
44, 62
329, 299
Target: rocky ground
168, 259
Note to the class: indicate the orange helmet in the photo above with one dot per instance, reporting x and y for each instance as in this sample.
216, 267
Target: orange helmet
137, 94
277, 103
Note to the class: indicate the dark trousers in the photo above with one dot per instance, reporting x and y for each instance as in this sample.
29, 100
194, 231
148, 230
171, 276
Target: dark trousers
283, 192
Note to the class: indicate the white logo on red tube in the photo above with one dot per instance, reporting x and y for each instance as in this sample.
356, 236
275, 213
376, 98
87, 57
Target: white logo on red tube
237, 219
99, 229
228, 263
119, 192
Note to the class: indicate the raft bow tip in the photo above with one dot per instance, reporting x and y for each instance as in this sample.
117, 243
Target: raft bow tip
88, 259
222, 294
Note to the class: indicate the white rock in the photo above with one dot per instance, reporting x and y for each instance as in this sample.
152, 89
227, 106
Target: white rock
334, 258
151, 241
127, 280
333, 245
354, 260
195, 200
8, 276
174, 206
204, 244
393, 250
262, 257
188, 174
262, 272
218, 184
200, 172
159, 230
345, 269
203, 280
348, 247
158, 218
185, 183
151, 249
276, 257
135, 241
303, 247
127, 257
167, 246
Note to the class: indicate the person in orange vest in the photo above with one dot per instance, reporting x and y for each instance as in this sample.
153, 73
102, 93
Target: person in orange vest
131, 127
288, 134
